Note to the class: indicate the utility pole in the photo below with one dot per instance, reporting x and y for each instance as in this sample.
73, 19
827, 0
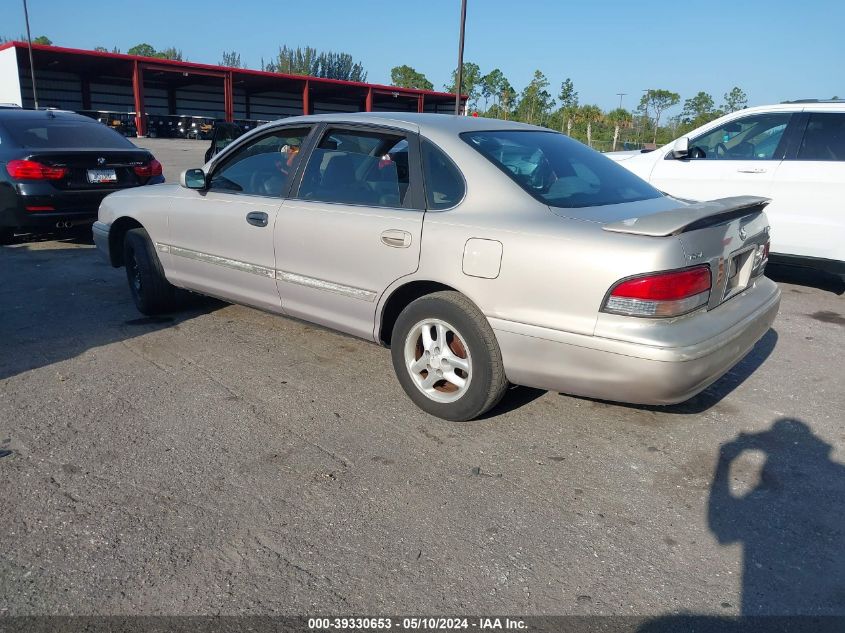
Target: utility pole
31, 65
458, 83
621, 94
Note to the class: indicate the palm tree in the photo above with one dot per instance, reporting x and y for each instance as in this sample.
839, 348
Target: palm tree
620, 118
591, 114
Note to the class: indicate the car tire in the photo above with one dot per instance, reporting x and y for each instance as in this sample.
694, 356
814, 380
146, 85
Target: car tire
151, 291
431, 373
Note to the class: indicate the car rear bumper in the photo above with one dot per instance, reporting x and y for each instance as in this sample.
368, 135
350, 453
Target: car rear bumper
633, 372
41, 205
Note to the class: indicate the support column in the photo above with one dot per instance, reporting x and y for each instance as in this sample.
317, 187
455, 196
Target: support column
86, 92
368, 104
421, 103
306, 98
228, 97
138, 92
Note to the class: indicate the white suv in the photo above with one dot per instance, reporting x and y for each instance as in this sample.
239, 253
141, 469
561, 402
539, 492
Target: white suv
793, 153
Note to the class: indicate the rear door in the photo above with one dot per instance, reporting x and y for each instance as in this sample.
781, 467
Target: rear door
221, 238
739, 157
352, 227
808, 197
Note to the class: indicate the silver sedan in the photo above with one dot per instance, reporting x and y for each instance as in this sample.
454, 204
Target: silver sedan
481, 252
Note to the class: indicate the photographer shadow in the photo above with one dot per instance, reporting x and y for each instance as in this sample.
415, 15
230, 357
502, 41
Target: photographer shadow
791, 526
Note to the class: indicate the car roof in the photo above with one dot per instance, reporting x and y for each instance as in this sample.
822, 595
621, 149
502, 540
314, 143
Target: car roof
19, 114
422, 122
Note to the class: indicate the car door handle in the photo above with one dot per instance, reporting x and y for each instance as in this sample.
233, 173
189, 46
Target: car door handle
756, 170
257, 218
396, 238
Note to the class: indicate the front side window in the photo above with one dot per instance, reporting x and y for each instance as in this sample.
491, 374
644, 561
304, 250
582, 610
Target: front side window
754, 137
559, 171
357, 167
824, 138
444, 185
263, 166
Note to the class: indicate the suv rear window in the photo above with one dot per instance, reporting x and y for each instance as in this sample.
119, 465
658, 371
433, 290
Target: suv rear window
559, 171
49, 133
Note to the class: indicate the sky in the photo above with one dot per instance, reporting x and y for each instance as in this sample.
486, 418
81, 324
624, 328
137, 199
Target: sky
774, 50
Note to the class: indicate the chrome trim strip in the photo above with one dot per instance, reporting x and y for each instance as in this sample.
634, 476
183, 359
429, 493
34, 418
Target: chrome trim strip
219, 261
280, 275
321, 284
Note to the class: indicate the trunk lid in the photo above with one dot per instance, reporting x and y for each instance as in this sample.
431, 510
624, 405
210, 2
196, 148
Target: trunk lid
730, 234
80, 162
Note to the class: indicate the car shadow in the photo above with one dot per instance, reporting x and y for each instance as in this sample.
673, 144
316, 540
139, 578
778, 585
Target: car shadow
789, 519
515, 397
63, 300
803, 276
716, 392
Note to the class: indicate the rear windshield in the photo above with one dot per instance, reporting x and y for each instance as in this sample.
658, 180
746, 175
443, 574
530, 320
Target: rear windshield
559, 171
49, 133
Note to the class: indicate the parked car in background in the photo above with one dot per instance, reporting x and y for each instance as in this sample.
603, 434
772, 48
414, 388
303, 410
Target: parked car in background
56, 167
481, 251
793, 153
222, 134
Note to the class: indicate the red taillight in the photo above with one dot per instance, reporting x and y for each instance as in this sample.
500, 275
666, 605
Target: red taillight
153, 168
661, 294
30, 170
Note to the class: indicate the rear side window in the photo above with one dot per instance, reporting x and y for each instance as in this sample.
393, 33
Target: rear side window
824, 138
361, 168
559, 171
444, 184
47, 133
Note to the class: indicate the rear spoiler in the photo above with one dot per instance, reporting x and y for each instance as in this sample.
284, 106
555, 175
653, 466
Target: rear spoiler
691, 217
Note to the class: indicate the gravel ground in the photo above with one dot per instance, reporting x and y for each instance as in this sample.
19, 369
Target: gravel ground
223, 460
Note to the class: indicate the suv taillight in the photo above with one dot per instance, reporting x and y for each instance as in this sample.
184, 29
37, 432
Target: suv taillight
31, 170
665, 294
153, 168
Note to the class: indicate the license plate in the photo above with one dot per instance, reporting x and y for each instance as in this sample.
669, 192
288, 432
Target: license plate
102, 175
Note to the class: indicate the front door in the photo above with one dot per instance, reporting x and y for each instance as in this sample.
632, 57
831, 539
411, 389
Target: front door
352, 228
221, 238
737, 158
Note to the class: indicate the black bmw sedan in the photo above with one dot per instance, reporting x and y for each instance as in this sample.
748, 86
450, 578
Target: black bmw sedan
56, 167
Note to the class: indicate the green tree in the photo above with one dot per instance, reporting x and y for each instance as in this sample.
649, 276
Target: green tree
142, 50
591, 114
568, 98
535, 100
231, 59
171, 52
735, 100
470, 83
658, 101
491, 87
620, 118
43, 39
309, 61
407, 77
699, 106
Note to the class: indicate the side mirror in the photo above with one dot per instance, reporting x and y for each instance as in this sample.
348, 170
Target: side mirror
192, 179
680, 149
